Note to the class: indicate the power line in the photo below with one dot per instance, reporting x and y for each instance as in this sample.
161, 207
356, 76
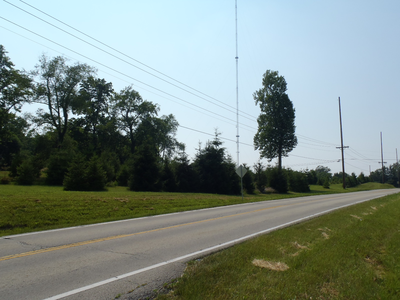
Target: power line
356, 167
198, 111
252, 118
317, 141
199, 131
301, 145
306, 138
313, 163
358, 153
157, 89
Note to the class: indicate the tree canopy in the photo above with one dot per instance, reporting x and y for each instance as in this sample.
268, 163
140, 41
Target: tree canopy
58, 88
87, 136
275, 136
15, 90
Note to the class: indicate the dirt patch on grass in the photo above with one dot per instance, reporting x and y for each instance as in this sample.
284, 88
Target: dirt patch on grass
298, 246
324, 229
329, 290
122, 200
357, 217
271, 265
325, 235
377, 266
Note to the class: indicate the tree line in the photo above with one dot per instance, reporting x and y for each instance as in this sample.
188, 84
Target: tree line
87, 136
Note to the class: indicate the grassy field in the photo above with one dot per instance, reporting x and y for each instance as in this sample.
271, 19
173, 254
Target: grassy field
33, 208
352, 253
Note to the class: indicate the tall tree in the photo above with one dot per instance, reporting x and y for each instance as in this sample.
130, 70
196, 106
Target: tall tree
131, 110
95, 94
275, 136
58, 88
162, 131
15, 89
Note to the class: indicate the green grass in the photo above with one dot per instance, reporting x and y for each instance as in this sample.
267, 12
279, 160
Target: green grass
33, 208
352, 253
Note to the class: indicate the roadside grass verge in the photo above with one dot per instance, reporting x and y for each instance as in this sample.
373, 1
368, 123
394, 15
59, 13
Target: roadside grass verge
34, 208
352, 253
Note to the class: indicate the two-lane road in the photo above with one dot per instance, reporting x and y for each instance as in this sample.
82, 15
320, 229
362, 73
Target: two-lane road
102, 260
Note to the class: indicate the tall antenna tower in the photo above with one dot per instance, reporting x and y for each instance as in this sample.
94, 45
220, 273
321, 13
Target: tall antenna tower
237, 88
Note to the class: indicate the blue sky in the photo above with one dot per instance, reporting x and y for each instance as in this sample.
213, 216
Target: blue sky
324, 49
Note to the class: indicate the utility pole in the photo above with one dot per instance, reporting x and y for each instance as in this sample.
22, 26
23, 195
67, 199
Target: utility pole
342, 147
398, 171
382, 162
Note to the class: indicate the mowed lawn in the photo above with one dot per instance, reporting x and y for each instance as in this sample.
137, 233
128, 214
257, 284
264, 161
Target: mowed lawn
34, 208
352, 253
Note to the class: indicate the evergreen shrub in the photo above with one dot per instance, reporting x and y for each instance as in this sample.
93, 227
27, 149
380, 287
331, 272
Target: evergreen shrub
277, 180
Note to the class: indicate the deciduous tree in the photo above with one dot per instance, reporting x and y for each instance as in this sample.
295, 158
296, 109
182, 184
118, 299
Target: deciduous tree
15, 86
57, 88
275, 136
15, 89
131, 110
95, 94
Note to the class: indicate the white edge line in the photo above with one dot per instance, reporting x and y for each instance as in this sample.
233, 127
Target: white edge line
135, 219
100, 283
161, 215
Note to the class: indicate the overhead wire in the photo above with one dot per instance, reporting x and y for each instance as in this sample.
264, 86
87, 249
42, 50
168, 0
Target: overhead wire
158, 77
153, 69
97, 62
312, 163
316, 141
206, 133
198, 111
323, 144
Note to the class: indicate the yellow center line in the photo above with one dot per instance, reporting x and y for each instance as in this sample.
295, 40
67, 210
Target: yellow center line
51, 249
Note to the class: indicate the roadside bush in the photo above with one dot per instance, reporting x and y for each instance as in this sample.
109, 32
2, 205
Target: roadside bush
59, 161
18, 159
5, 180
96, 177
248, 182
82, 176
351, 181
110, 164
326, 184
145, 172
26, 173
125, 172
168, 178
277, 180
185, 175
75, 178
260, 176
298, 182
57, 167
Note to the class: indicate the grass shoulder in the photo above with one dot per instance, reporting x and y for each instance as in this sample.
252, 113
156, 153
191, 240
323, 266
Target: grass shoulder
349, 254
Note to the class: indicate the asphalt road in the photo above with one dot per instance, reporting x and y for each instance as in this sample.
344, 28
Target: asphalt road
102, 261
